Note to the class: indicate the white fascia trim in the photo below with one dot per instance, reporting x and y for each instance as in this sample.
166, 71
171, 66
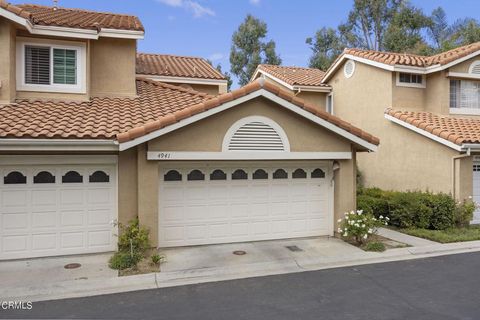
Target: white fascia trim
465, 111
355, 58
424, 133
119, 33
57, 145
184, 79
70, 32
53, 159
464, 75
289, 86
261, 92
246, 155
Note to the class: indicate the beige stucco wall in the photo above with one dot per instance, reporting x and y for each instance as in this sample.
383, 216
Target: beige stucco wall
345, 188
113, 67
407, 98
464, 66
7, 61
437, 99
208, 134
127, 185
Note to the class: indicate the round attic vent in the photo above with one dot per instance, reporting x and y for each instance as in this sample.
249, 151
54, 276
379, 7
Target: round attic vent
349, 68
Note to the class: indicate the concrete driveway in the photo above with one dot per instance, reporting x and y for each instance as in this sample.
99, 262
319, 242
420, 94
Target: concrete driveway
274, 253
43, 271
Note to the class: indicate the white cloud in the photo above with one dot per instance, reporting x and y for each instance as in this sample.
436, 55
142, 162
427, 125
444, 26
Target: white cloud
216, 56
194, 7
255, 2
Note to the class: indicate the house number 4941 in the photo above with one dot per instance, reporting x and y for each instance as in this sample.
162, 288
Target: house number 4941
164, 155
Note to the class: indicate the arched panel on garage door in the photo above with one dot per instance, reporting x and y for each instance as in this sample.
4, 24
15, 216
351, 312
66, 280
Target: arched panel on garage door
256, 133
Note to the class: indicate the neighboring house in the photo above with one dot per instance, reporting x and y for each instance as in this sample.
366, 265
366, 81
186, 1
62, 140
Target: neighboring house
305, 83
92, 133
426, 111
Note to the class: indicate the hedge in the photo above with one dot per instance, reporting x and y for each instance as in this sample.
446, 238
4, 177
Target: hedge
416, 209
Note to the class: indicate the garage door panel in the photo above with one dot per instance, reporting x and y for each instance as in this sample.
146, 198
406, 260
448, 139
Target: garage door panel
72, 218
72, 197
44, 241
243, 210
45, 219
15, 221
57, 218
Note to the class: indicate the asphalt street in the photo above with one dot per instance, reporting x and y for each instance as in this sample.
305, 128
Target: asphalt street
446, 287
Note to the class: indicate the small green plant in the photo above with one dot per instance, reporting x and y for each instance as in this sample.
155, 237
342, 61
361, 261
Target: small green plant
374, 246
464, 212
133, 238
358, 226
132, 245
124, 260
156, 259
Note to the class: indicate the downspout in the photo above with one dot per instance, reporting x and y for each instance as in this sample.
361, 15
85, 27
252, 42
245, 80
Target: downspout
454, 158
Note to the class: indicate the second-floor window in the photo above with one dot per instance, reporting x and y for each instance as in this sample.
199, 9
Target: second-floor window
465, 94
51, 68
410, 80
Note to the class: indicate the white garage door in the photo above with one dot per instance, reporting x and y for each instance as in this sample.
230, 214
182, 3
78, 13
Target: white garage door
476, 191
49, 210
234, 202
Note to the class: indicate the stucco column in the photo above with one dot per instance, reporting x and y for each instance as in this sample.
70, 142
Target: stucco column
7, 61
463, 178
127, 185
148, 193
345, 188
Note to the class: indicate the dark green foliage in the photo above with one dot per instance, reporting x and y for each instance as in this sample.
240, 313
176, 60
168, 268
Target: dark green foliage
124, 260
133, 237
415, 209
249, 49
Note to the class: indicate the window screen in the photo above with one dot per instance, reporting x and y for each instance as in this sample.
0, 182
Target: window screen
37, 65
64, 66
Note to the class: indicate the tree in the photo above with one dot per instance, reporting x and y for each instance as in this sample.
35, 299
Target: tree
438, 28
326, 46
249, 49
464, 32
403, 34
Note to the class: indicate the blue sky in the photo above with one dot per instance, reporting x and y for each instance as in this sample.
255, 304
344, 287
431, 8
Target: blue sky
204, 27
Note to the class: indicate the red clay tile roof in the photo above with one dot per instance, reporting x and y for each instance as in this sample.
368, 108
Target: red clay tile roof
258, 84
73, 18
456, 130
392, 58
99, 118
295, 75
176, 66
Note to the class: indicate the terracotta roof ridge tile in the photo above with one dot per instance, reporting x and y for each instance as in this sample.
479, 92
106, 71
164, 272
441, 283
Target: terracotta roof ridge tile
33, 5
169, 55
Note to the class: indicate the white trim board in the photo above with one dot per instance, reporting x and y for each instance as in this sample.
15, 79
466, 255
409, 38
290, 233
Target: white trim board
261, 92
183, 79
289, 86
57, 159
398, 68
57, 145
71, 32
247, 155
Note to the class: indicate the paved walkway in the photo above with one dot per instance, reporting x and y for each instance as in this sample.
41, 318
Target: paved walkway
405, 238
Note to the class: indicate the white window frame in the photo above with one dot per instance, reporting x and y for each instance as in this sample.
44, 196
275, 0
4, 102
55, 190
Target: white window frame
326, 103
79, 87
460, 110
411, 85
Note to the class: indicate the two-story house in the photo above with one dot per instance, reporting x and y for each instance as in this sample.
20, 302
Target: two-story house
92, 132
425, 109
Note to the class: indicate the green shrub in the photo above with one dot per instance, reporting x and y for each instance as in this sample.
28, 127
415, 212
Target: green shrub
359, 226
415, 209
464, 213
156, 259
374, 246
133, 237
124, 260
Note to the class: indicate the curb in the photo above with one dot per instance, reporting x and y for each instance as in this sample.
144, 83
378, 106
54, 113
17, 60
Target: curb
84, 288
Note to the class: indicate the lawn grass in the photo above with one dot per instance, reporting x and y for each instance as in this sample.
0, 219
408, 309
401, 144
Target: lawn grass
446, 236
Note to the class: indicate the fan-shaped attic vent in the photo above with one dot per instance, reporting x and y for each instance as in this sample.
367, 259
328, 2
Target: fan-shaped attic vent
256, 134
475, 67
